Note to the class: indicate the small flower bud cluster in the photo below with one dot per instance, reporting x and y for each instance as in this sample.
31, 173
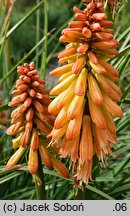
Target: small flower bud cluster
31, 120
87, 95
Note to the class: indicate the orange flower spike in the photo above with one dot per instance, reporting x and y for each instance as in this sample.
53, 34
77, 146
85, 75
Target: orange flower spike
63, 85
15, 158
78, 65
75, 107
33, 161
81, 83
60, 167
34, 140
94, 90
45, 156
61, 70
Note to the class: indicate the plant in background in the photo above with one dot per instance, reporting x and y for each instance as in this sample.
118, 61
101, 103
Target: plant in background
31, 122
87, 94
3, 119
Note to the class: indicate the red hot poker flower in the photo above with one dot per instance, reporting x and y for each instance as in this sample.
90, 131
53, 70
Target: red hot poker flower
86, 96
31, 121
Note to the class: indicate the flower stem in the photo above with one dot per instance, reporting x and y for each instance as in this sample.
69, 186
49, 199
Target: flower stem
39, 182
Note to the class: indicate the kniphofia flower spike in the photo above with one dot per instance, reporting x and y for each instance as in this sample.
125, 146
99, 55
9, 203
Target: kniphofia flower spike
31, 121
86, 96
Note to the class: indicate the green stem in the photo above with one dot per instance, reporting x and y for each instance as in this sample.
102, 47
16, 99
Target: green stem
39, 182
37, 33
44, 55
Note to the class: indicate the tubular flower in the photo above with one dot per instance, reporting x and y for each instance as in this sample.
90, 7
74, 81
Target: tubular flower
86, 96
31, 121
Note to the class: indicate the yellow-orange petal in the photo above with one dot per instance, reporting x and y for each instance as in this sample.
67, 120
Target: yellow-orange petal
87, 32
14, 129
53, 107
86, 143
103, 82
15, 158
109, 68
74, 127
58, 133
78, 65
81, 83
60, 167
67, 52
25, 138
61, 70
75, 107
33, 161
112, 107
74, 150
83, 48
63, 85
38, 106
30, 114
67, 96
96, 114
109, 120
16, 141
45, 156
64, 76
92, 57
98, 68
61, 119
34, 140
94, 90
